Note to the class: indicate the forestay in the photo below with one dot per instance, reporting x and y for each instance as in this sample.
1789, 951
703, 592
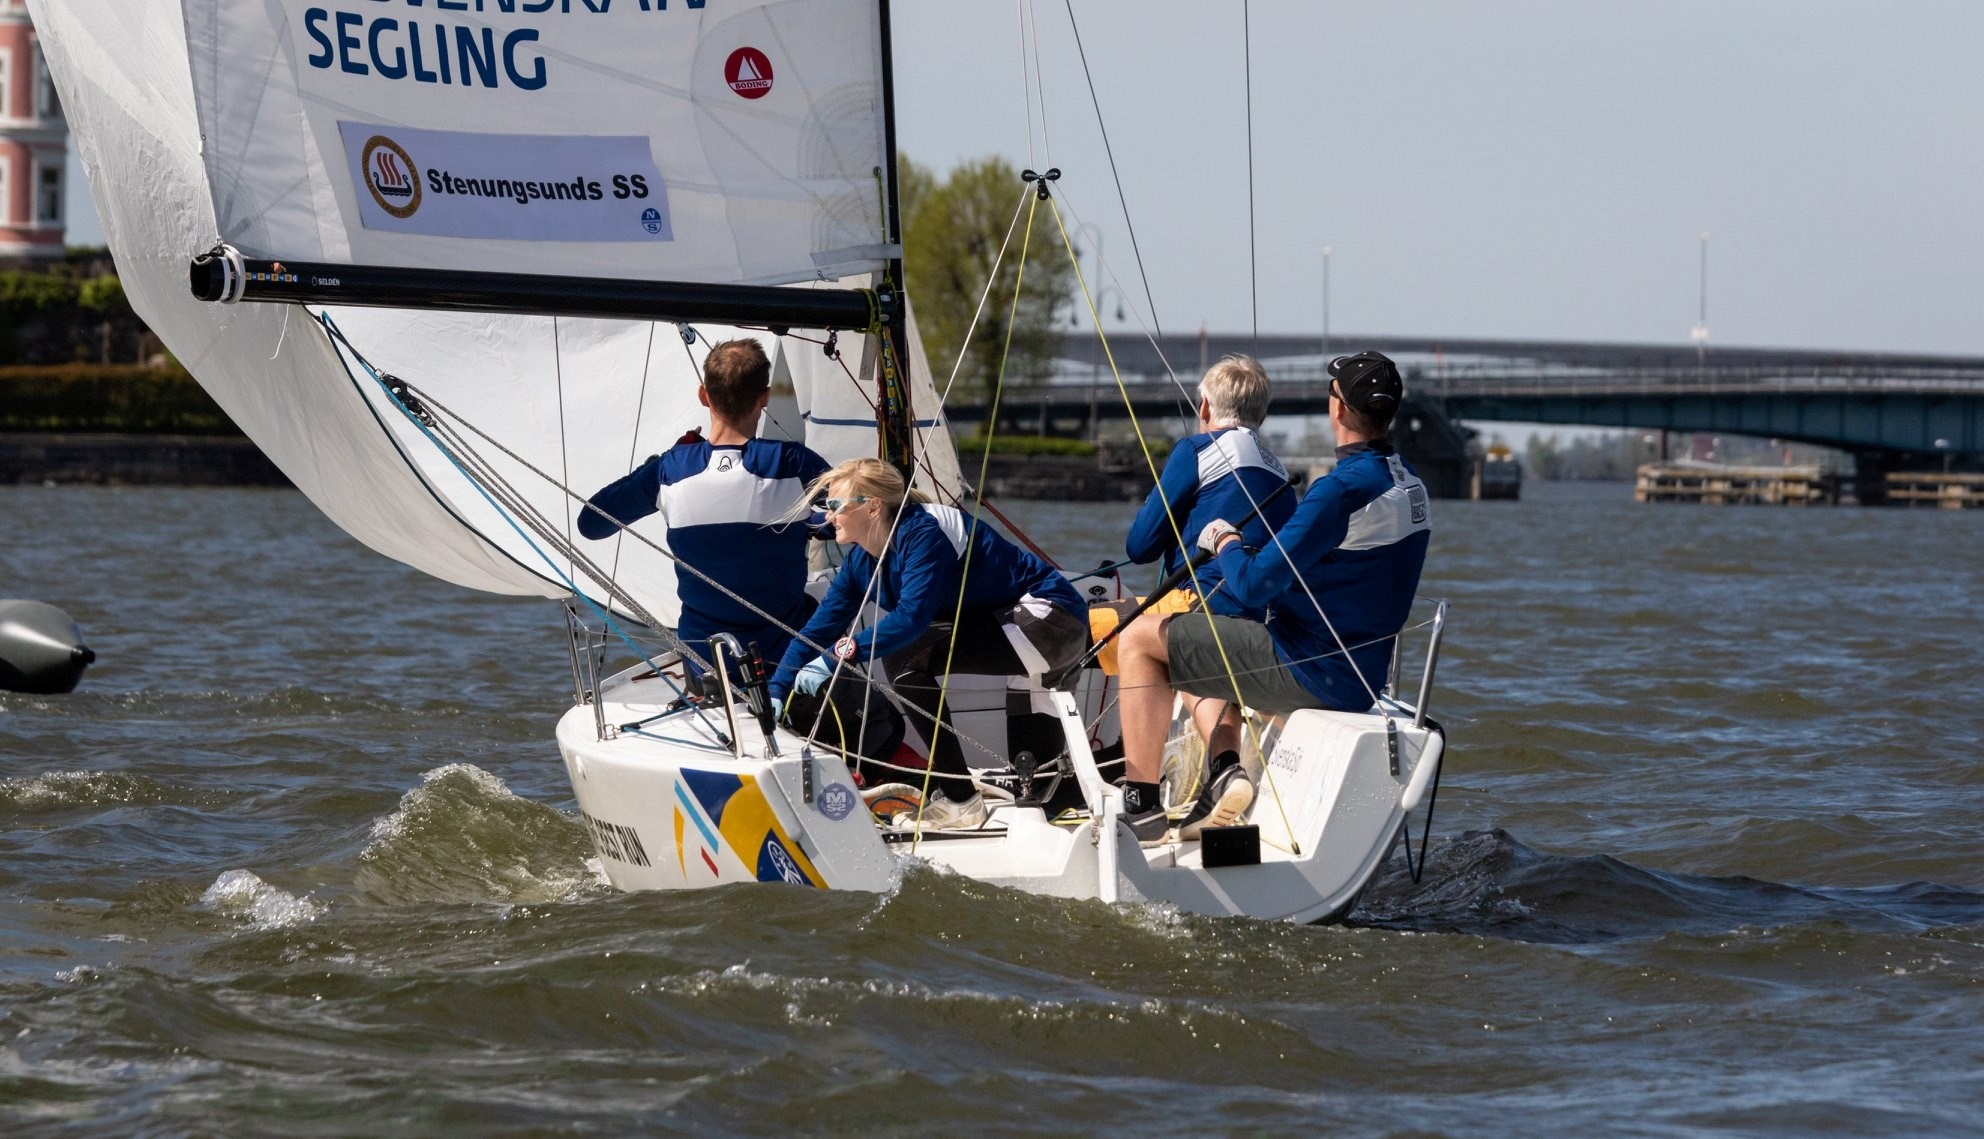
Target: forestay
580, 400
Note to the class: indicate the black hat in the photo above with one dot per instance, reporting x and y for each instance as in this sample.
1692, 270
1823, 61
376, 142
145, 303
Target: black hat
1369, 382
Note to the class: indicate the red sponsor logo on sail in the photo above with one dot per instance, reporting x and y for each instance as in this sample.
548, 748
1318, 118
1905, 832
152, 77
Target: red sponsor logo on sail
391, 176
748, 72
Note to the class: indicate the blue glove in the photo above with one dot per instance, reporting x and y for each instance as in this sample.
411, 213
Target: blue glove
813, 677
778, 710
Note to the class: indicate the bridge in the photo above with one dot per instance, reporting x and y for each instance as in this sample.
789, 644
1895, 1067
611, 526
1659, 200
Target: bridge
1889, 410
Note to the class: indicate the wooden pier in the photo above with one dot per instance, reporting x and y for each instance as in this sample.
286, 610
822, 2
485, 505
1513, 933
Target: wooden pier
1963, 491
1720, 485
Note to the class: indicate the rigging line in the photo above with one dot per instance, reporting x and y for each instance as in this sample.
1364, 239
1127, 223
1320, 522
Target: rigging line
1040, 83
1169, 513
522, 509
984, 295
1253, 247
487, 497
639, 612
1065, 195
1110, 151
634, 443
1026, 79
564, 436
984, 464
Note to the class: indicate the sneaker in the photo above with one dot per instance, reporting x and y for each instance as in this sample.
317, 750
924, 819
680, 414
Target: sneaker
889, 800
943, 813
1149, 826
1226, 797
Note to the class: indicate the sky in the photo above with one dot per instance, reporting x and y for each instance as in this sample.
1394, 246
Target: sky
1519, 169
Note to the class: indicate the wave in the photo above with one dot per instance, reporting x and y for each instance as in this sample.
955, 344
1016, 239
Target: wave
241, 894
1489, 883
463, 836
64, 790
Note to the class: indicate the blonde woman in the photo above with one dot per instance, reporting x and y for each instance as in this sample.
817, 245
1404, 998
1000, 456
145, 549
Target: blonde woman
1019, 616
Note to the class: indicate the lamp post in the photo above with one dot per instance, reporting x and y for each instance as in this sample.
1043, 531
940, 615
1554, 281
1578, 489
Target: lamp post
1326, 305
1100, 298
1700, 332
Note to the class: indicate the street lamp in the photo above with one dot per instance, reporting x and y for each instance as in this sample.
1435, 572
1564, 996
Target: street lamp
1700, 332
1326, 303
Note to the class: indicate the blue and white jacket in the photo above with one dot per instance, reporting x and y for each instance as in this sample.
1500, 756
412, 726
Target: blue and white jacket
919, 586
1358, 542
1215, 474
723, 505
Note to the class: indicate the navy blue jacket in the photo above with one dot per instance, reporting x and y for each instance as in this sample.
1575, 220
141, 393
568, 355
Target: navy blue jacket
1357, 542
1215, 474
919, 586
723, 506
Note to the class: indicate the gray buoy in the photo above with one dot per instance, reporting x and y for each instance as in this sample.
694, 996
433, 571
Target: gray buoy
41, 649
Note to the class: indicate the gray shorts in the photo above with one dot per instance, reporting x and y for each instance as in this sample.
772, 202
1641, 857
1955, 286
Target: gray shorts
1265, 683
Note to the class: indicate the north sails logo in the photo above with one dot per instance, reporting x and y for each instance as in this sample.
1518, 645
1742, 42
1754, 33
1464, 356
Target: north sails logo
391, 176
748, 72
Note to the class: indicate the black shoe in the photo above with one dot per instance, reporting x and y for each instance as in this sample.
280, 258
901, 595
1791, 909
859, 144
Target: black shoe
1150, 826
1224, 800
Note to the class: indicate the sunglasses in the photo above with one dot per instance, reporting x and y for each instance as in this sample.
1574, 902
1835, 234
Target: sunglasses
836, 505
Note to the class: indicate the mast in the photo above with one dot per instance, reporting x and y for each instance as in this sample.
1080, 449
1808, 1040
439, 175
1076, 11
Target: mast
897, 418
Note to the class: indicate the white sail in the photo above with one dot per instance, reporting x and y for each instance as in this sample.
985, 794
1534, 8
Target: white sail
738, 143
560, 403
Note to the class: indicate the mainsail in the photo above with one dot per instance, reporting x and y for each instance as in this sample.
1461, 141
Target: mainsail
492, 136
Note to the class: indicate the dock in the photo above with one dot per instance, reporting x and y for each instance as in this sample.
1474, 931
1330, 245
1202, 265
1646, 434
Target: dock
1715, 485
1941, 490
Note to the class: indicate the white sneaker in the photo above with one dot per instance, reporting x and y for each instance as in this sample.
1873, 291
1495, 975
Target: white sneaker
943, 813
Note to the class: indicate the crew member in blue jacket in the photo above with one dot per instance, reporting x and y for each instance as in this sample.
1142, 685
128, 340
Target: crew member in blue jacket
1224, 471
726, 498
1019, 615
1337, 583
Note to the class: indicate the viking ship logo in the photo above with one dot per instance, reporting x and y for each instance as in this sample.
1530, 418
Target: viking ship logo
749, 73
391, 176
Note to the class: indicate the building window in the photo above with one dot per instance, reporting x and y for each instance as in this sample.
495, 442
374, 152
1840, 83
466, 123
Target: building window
7, 192
6, 83
48, 195
47, 104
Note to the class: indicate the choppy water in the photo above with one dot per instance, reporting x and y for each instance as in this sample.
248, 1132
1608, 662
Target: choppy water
299, 859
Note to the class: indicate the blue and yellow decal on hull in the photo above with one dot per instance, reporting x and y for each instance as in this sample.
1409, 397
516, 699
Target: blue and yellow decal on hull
736, 806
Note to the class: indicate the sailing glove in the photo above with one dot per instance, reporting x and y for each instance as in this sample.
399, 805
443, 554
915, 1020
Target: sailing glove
1216, 531
813, 677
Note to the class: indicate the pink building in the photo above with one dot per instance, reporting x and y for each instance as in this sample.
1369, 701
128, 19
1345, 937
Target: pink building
34, 143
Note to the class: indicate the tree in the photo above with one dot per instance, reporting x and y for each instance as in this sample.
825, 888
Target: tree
953, 229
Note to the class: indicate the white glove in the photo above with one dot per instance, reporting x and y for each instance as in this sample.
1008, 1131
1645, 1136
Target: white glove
1216, 531
813, 677
778, 710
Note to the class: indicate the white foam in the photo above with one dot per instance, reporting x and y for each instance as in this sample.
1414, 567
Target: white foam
240, 894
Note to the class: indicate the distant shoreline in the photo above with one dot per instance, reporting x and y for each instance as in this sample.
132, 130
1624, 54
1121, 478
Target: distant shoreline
134, 460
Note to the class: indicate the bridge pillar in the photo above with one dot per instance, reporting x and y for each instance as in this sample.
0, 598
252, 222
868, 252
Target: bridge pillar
1870, 476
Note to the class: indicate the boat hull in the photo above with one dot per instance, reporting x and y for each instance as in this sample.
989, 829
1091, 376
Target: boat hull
693, 800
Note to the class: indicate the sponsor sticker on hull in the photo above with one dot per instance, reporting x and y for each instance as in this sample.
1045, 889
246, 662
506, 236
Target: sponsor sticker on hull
506, 186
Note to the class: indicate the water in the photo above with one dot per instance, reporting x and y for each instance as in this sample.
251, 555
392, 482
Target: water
299, 858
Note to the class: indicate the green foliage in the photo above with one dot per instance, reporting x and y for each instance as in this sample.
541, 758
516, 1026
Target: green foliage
1584, 456
103, 294
115, 398
974, 445
953, 229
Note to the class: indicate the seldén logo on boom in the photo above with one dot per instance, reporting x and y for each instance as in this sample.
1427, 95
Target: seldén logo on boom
391, 175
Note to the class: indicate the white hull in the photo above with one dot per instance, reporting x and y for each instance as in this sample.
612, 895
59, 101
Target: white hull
671, 807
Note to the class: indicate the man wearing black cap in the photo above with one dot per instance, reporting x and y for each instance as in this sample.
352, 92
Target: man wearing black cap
1337, 582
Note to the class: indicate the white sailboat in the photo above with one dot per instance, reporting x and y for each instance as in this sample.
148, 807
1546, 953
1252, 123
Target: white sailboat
449, 262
